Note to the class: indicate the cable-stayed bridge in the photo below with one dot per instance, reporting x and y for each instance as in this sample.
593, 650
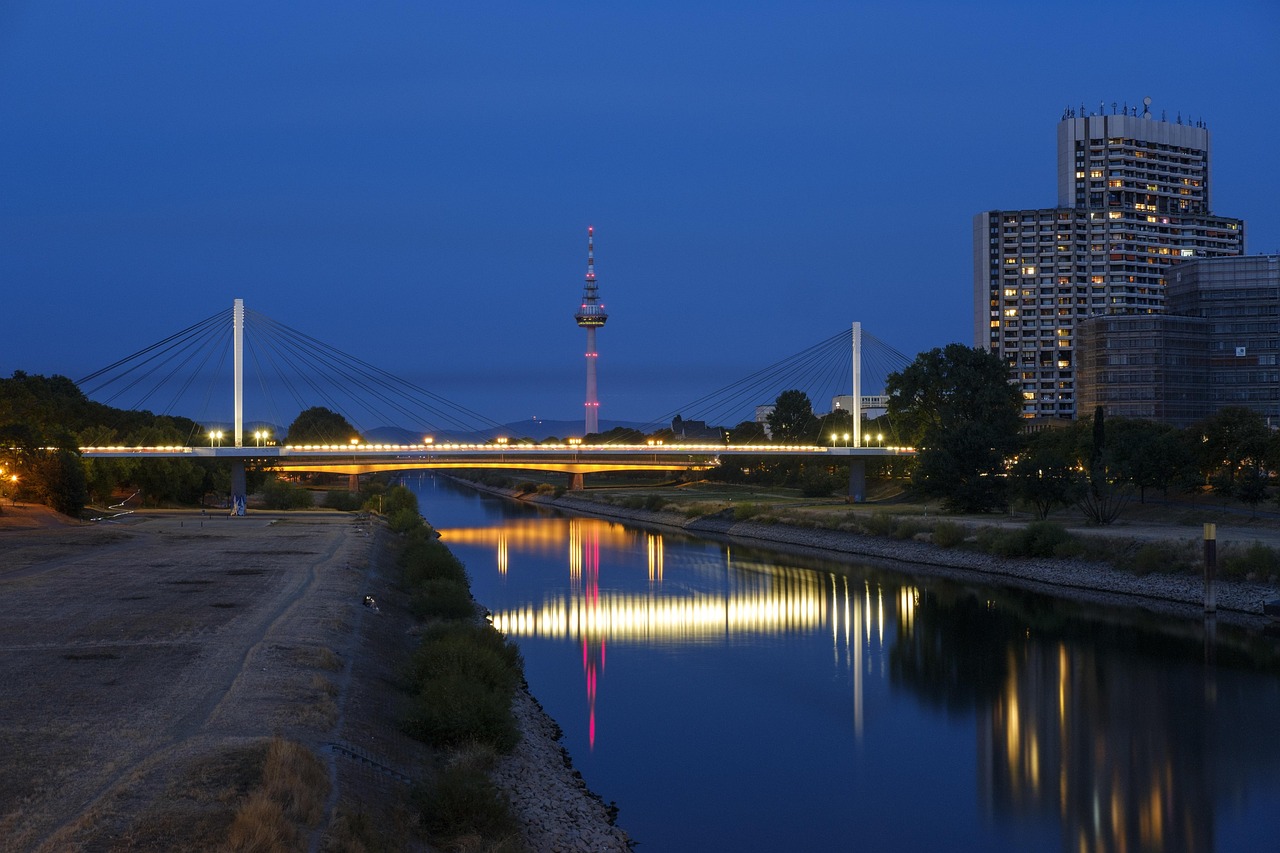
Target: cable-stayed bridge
311, 370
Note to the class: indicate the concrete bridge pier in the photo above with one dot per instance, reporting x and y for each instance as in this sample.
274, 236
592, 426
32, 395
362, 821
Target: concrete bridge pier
576, 482
238, 496
353, 483
857, 480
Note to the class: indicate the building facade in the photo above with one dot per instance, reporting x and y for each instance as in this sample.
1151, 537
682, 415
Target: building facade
1134, 201
1216, 345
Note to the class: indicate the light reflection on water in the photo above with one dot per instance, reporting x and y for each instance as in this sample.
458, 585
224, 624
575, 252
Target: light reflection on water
972, 719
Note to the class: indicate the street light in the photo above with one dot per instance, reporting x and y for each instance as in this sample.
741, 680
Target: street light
846, 439
880, 438
215, 435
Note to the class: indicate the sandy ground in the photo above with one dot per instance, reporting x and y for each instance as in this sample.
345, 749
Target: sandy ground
143, 663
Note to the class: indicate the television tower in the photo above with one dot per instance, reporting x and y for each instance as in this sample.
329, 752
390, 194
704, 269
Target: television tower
591, 316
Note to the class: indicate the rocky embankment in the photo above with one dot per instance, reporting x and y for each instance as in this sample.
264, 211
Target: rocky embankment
1238, 602
549, 798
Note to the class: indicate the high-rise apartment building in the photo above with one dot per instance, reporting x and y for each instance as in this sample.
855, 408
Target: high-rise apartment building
1134, 198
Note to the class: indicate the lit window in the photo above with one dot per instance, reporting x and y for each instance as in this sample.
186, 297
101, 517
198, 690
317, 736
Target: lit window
1028, 270
1095, 173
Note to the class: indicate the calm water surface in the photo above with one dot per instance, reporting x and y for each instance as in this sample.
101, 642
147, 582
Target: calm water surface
733, 699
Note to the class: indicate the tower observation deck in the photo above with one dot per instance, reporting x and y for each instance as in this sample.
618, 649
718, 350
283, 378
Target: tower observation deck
591, 316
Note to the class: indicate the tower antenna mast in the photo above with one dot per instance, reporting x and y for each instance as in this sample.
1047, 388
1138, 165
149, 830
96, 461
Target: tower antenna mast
591, 316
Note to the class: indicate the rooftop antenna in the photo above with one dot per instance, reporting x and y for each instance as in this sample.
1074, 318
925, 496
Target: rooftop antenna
1146, 107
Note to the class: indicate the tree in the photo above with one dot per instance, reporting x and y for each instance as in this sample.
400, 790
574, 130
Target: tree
1234, 445
792, 419
956, 406
319, 425
1045, 474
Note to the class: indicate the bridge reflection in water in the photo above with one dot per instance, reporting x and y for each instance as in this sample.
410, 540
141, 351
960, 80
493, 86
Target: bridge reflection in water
754, 599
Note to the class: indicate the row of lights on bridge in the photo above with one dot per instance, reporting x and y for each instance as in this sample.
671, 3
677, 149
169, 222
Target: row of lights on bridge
835, 437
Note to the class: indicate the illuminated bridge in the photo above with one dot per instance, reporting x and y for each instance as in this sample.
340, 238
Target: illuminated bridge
402, 399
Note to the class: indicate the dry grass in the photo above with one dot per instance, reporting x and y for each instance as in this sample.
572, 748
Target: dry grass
292, 793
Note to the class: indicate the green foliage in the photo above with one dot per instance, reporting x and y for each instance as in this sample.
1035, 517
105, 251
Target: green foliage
907, 528
948, 534
279, 494
956, 405
1162, 558
341, 499
319, 425
792, 419
881, 524
817, 483
399, 498
1258, 561
442, 598
746, 511
463, 679
461, 807
424, 557
403, 520
1037, 539
1045, 474
654, 503
617, 435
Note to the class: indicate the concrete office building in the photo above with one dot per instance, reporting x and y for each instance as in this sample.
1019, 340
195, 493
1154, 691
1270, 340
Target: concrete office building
1134, 200
1217, 345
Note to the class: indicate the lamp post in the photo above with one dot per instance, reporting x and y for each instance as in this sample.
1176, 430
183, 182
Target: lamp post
215, 437
880, 438
846, 439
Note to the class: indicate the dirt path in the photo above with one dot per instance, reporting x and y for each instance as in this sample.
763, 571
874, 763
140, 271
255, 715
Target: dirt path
140, 663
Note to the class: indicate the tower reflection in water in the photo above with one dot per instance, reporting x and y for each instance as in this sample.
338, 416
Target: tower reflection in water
1114, 737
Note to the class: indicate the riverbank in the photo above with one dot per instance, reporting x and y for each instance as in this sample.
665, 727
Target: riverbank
149, 664
1238, 602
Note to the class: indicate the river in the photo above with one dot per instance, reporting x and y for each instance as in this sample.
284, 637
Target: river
729, 698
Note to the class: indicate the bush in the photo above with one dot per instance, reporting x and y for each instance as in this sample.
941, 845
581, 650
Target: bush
455, 709
1037, 539
278, 494
340, 499
526, 488
424, 558
442, 598
1258, 560
948, 534
744, 512
403, 520
1158, 557
907, 528
817, 484
654, 503
463, 803
881, 524
397, 499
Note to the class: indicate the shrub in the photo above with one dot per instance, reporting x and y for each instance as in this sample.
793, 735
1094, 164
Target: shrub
948, 534
462, 803
278, 494
455, 708
881, 524
424, 557
403, 520
398, 499
1258, 560
1037, 539
340, 499
527, 487
653, 503
1153, 557
546, 489
744, 512
483, 654
442, 598
907, 528
817, 484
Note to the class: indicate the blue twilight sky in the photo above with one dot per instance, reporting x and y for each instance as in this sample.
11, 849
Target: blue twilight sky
412, 182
